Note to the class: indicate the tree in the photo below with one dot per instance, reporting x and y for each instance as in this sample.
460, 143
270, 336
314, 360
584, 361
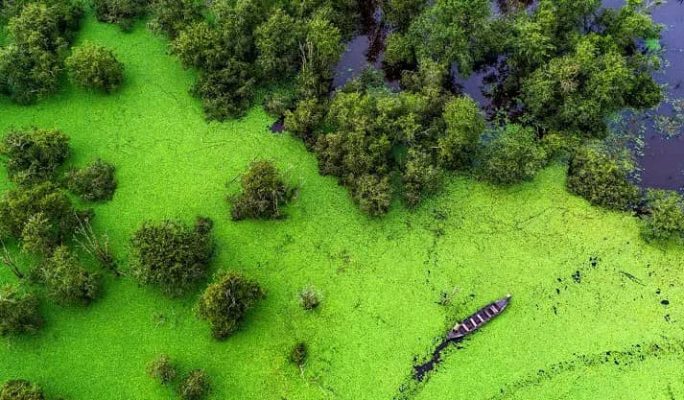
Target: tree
277, 41
510, 155
304, 119
47, 210
46, 26
95, 67
20, 389
421, 175
67, 281
227, 92
401, 13
95, 182
120, 12
172, 255
19, 312
373, 194
263, 193
603, 177
35, 155
666, 215
464, 126
320, 51
225, 303
28, 75
173, 16
162, 370
195, 386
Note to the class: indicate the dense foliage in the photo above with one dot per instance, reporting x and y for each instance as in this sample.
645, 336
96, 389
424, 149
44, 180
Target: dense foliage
121, 12
95, 182
19, 311
263, 195
41, 216
172, 255
603, 177
35, 155
95, 67
225, 303
67, 282
19, 389
665, 219
40, 33
195, 386
162, 370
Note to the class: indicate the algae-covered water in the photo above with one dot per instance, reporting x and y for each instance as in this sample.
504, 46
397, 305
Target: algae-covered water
596, 312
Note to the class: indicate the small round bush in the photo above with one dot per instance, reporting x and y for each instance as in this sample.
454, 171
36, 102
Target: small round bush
162, 369
20, 389
19, 311
172, 255
95, 182
195, 386
67, 281
603, 177
309, 298
666, 215
263, 193
510, 155
95, 67
34, 155
226, 302
299, 354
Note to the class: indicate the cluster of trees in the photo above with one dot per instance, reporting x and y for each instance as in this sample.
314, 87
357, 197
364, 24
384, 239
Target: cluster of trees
39, 216
263, 195
195, 385
40, 33
238, 45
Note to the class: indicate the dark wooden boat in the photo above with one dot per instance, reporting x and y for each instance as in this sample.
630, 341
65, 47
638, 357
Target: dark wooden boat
475, 321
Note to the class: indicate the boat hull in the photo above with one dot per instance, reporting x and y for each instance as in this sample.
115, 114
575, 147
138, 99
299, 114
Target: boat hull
479, 319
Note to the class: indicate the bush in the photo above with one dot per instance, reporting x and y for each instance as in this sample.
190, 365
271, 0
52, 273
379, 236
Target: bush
95, 182
195, 386
95, 67
513, 154
309, 298
278, 103
420, 176
19, 389
120, 12
28, 75
373, 194
19, 312
666, 215
162, 369
171, 255
173, 16
603, 178
225, 93
47, 211
67, 281
226, 301
46, 26
299, 354
304, 119
263, 193
35, 155
465, 124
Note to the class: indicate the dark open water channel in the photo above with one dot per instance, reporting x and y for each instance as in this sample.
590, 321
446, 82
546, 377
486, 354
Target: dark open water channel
662, 157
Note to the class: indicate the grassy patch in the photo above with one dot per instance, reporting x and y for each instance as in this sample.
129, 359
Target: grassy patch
380, 280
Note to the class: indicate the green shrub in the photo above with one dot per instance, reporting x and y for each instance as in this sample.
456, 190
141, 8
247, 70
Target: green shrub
304, 119
95, 182
19, 312
373, 194
226, 93
173, 16
67, 281
120, 12
603, 178
20, 389
172, 255
512, 154
666, 215
41, 215
263, 193
309, 298
162, 370
299, 354
464, 126
278, 103
420, 176
28, 75
95, 67
35, 155
195, 386
226, 301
